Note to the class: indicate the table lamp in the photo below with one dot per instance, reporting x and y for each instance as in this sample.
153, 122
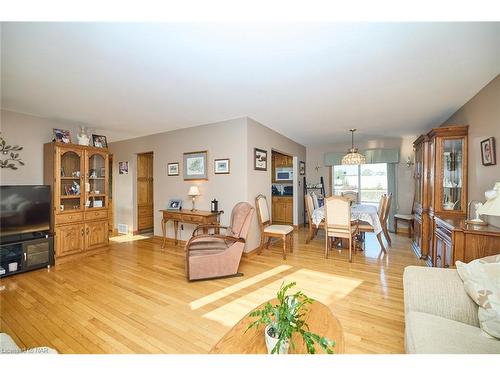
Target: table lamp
492, 205
193, 193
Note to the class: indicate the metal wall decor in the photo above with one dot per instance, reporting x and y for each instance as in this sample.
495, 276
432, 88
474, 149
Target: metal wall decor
13, 158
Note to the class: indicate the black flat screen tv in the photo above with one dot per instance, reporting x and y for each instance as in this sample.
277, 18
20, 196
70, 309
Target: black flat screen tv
24, 209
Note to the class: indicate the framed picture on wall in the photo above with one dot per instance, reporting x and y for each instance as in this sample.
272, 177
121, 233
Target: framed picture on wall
488, 155
302, 168
260, 162
123, 167
172, 169
195, 165
221, 166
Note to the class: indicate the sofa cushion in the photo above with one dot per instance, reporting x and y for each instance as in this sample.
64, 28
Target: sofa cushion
432, 334
438, 291
481, 279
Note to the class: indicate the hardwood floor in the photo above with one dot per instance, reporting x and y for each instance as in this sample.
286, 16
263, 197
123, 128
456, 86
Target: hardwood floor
135, 298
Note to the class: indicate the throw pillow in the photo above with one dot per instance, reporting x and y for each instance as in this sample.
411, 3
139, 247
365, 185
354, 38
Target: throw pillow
481, 279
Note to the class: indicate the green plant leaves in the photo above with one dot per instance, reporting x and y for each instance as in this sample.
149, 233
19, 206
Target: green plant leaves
287, 317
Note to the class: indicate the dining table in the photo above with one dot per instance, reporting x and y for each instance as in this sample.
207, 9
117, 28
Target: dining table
361, 212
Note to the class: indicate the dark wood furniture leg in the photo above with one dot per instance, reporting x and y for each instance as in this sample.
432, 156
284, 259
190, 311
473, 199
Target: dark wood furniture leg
176, 228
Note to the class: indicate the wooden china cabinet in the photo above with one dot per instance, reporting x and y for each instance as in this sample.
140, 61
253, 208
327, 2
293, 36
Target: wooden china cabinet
440, 183
78, 176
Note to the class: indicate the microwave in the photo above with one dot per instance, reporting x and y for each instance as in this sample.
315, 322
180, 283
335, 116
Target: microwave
284, 174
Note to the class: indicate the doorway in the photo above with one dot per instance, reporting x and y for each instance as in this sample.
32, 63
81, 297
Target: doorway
145, 221
282, 188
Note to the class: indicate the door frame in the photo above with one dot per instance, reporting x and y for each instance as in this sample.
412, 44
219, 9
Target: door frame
136, 200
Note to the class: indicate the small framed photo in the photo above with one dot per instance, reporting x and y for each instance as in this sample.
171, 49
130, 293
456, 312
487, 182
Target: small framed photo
172, 169
62, 136
260, 162
97, 204
174, 204
195, 165
302, 168
99, 141
102, 172
488, 155
221, 166
123, 167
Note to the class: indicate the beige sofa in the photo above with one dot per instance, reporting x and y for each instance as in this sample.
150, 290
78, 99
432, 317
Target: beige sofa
439, 315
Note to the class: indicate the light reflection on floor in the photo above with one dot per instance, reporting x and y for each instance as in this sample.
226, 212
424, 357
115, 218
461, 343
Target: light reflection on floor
324, 287
130, 237
236, 287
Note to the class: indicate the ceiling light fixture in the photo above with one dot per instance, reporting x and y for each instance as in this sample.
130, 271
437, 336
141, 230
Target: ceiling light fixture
353, 157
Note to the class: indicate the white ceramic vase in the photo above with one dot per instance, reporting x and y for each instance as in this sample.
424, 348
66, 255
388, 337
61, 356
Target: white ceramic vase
271, 343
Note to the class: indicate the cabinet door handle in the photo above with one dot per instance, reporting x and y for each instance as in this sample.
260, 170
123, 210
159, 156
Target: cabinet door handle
25, 257
83, 232
87, 231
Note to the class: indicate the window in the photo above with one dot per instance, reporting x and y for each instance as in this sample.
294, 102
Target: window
369, 181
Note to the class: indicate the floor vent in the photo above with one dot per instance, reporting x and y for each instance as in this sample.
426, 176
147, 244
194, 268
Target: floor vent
123, 228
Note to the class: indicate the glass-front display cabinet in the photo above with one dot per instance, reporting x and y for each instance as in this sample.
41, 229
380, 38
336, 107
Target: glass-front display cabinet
69, 176
97, 176
78, 176
450, 183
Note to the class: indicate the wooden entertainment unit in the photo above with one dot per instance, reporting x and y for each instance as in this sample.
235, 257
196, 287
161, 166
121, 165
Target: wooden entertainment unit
78, 176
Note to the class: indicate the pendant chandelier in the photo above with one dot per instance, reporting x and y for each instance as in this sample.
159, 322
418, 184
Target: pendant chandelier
353, 157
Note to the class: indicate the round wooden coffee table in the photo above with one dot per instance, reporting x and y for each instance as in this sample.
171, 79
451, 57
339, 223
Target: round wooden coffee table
319, 318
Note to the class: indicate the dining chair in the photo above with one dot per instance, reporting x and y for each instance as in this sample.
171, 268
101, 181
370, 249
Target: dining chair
365, 227
313, 230
216, 255
268, 230
315, 200
338, 223
409, 219
385, 218
351, 195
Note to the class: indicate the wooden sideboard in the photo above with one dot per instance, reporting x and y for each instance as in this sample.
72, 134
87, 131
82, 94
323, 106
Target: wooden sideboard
196, 217
455, 240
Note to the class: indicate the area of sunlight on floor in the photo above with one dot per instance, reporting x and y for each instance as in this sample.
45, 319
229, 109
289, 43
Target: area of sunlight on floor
130, 237
321, 286
236, 287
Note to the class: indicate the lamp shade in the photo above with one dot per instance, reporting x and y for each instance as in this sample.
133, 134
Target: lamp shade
194, 191
353, 158
492, 205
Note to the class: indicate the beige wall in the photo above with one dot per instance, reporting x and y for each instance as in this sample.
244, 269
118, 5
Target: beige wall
482, 114
404, 182
222, 140
32, 132
234, 139
259, 182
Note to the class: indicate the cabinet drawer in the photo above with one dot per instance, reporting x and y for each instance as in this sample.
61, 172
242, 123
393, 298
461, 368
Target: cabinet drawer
94, 215
145, 211
194, 219
69, 218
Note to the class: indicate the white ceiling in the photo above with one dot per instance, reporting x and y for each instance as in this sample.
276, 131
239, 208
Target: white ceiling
310, 82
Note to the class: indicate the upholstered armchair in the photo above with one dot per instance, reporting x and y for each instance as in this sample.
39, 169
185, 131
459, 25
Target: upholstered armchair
218, 254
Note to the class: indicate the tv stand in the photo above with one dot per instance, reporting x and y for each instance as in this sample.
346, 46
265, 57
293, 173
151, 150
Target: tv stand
26, 255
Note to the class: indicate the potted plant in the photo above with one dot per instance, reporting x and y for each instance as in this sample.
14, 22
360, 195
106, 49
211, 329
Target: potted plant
286, 318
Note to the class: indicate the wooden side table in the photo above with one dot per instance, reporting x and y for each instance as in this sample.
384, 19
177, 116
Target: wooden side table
196, 217
319, 318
